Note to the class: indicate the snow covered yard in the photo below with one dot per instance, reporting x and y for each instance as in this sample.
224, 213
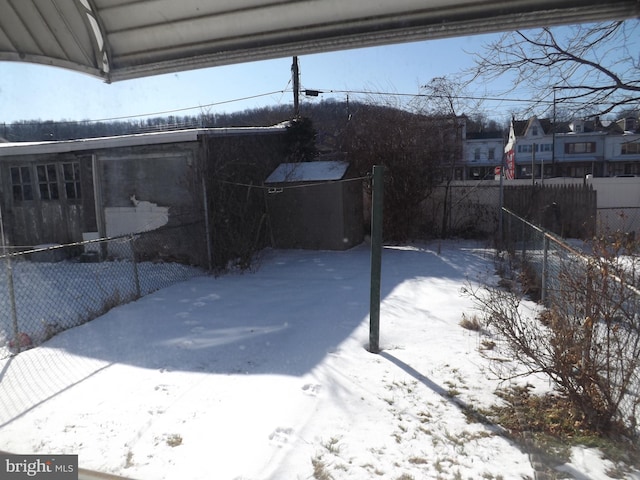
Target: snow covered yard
266, 375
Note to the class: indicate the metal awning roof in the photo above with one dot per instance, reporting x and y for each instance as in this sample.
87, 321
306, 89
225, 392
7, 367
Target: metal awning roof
122, 39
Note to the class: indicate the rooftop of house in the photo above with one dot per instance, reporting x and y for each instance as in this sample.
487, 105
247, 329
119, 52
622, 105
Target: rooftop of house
592, 125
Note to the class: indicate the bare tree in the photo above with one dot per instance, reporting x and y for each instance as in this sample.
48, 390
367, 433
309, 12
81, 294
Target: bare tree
593, 69
409, 147
445, 96
443, 101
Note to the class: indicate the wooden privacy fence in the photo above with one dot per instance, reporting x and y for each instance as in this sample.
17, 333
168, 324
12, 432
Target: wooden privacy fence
567, 210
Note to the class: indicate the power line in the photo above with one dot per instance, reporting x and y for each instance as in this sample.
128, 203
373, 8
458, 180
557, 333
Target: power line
315, 93
427, 95
282, 187
165, 112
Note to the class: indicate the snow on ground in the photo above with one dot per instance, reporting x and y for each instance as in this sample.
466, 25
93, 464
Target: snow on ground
266, 376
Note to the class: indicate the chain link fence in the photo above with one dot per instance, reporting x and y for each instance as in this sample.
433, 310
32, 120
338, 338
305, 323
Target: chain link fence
47, 290
540, 254
598, 290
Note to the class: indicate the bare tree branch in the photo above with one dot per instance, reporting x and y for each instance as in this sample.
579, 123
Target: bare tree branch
591, 67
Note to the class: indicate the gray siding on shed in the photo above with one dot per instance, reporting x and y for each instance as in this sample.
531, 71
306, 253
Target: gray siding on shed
316, 215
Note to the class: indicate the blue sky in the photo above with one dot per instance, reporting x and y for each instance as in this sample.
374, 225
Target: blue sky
29, 92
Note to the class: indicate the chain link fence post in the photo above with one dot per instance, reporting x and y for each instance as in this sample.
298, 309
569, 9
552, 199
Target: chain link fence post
545, 267
136, 274
12, 302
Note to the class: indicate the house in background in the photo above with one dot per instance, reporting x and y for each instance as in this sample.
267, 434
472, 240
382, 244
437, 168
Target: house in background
533, 147
577, 148
580, 149
314, 205
483, 154
65, 191
622, 148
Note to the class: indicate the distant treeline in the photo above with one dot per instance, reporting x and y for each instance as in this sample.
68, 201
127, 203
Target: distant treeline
38, 130
329, 118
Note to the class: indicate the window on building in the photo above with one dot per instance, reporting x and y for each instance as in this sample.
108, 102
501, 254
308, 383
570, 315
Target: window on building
71, 177
476, 154
21, 183
534, 131
631, 148
48, 181
580, 147
525, 148
542, 147
492, 154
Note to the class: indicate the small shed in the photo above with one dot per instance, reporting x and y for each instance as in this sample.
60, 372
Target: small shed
314, 205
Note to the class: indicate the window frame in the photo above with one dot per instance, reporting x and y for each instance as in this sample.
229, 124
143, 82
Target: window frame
46, 181
73, 184
625, 150
24, 187
525, 148
574, 148
48, 187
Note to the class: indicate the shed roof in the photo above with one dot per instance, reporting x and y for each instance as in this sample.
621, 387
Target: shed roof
121, 39
154, 138
319, 171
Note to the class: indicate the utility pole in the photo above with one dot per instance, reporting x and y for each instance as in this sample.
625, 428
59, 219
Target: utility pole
533, 165
553, 132
295, 72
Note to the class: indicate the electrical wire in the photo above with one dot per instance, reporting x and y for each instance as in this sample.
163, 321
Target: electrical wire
280, 187
164, 112
461, 97
320, 91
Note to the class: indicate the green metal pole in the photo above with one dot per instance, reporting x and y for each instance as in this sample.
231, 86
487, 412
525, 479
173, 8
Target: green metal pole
376, 258
545, 270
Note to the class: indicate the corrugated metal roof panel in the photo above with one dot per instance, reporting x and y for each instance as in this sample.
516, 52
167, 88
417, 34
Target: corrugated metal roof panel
120, 39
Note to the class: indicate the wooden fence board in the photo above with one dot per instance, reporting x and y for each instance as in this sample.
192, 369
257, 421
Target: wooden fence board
567, 210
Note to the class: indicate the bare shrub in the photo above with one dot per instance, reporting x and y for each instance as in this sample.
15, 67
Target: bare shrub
588, 338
